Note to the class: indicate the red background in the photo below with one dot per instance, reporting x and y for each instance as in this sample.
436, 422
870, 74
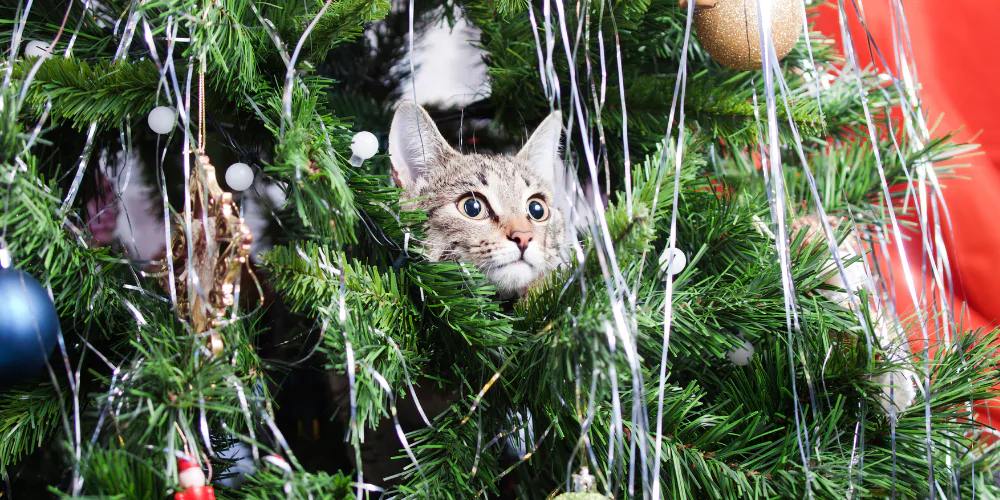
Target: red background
953, 44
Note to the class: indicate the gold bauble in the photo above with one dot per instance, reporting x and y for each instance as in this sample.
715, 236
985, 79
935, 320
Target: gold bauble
729, 31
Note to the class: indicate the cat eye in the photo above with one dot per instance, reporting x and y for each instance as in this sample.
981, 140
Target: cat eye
537, 209
472, 207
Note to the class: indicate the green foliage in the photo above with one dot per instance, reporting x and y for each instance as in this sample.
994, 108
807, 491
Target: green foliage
30, 416
568, 375
117, 473
719, 100
342, 22
44, 240
451, 468
847, 175
313, 170
396, 320
272, 484
82, 92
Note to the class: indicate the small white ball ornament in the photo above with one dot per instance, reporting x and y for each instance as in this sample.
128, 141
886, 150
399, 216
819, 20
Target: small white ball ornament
36, 48
364, 145
741, 356
672, 262
161, 119
239, 176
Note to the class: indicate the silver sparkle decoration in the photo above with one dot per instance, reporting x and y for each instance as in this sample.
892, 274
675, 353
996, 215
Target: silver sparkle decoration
907, 274
384, 384
681, 86
773, 173
621, 300
774, 182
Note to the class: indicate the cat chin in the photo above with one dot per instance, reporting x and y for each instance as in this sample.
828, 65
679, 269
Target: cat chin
512, 278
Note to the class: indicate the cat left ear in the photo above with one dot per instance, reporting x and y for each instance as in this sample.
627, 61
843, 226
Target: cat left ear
415, 147
541, 152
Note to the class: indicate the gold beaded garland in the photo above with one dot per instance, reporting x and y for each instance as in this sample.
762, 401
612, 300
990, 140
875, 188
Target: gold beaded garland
729, 31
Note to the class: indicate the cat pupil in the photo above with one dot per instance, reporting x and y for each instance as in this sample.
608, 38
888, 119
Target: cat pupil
536, 210
472, 207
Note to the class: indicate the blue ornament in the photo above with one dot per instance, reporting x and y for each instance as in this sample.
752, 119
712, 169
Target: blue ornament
29, 326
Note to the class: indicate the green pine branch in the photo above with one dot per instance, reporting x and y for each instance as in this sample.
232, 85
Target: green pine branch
30, 416
273, 484
82, 92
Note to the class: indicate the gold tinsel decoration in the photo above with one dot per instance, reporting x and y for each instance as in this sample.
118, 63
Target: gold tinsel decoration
730, 34
218, 254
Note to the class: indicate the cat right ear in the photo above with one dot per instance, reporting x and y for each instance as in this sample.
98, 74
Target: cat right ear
416, 147
541, 152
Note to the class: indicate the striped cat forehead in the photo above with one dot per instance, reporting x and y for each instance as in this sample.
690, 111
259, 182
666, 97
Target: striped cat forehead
481, 171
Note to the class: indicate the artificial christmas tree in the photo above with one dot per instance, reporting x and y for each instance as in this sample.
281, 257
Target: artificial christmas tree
619, 365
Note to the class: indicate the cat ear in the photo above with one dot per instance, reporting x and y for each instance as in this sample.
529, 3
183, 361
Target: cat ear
541, 153
415, 147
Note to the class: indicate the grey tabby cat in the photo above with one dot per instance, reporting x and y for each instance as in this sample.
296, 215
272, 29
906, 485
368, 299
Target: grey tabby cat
499, 213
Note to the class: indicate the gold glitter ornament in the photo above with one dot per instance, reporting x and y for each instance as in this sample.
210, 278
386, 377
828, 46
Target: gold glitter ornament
218, 253
730, 34
209, 267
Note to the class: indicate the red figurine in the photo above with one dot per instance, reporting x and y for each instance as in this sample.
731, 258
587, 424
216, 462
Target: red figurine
192, 480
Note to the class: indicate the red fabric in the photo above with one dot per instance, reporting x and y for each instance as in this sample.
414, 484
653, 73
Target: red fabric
953, 46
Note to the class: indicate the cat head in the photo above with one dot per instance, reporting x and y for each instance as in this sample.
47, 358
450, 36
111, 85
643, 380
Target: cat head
497, 212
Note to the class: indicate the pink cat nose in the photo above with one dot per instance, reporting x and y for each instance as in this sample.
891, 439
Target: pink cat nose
521, 239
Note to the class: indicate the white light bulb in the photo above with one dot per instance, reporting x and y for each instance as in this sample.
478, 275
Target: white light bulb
741, 356
36, 48
161, 120
672, 261
364, 145
239, 176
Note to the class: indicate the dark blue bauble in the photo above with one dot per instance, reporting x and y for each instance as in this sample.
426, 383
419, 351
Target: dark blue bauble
29, 326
